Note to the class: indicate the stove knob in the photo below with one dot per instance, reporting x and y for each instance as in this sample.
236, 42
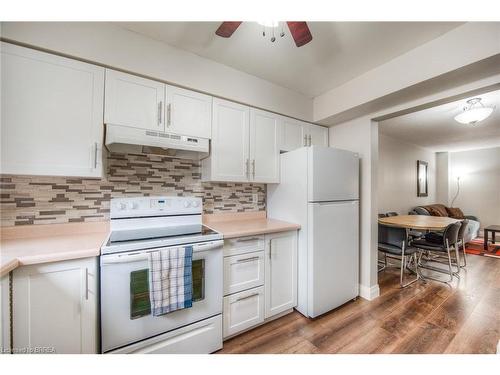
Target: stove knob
187, 204
122, 206
195, 203
135, 205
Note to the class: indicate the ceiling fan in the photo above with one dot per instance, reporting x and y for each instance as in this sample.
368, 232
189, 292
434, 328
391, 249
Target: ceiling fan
299, 30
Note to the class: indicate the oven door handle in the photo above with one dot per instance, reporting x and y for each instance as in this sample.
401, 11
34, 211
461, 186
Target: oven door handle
123, 258
208, 245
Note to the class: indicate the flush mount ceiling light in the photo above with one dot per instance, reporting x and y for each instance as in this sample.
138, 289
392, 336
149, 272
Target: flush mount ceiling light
474, 112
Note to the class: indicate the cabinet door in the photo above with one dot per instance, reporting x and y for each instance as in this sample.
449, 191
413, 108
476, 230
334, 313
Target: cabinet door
5, 317
51, 114
134, 101
319, 135
264, 150
55, 307
281, 273
292, 136
230, 142
188, 113
243, 310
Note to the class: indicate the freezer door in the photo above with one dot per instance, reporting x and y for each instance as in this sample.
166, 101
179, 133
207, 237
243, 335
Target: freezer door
333, 253
333, 174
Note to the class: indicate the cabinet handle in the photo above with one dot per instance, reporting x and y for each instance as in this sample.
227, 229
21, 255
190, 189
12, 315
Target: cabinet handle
169, 113
86, 283
247, 169
246, 260
270, 248
246, 297
160, 104
247, 239
95, 155
310, 142
253, 168
305, 140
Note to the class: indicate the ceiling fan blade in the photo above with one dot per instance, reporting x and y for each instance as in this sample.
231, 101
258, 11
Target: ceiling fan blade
300, 33
226, 29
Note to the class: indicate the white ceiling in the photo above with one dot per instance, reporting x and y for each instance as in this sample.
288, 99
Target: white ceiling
435, 128
339, 51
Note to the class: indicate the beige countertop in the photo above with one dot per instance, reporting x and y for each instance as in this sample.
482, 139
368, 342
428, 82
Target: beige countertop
36, 244
233, 225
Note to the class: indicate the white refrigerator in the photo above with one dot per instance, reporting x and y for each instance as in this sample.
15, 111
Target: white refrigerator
319, 189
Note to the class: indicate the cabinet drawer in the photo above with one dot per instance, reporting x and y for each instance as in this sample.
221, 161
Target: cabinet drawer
243, 245
243, 272
243, 310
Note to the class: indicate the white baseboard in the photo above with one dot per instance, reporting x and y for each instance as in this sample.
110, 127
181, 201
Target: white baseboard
369, 293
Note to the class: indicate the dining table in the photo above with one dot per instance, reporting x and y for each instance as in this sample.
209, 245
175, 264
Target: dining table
418, 222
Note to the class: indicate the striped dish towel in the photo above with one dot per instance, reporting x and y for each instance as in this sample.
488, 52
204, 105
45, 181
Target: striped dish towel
170, 279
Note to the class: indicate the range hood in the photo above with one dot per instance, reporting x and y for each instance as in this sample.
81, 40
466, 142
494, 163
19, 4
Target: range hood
126, 139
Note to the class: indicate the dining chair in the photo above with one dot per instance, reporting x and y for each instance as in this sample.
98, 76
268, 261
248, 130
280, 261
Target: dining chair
393, 242
461, 241
440, 245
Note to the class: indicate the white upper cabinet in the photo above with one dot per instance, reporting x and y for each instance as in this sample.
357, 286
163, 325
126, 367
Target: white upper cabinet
52, 114
134, 101
188, 113
245, 146
229, 157
291, 134
318, 135
264, 150
314, 135
295, 134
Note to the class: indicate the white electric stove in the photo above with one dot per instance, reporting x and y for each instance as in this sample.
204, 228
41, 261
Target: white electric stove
141, 225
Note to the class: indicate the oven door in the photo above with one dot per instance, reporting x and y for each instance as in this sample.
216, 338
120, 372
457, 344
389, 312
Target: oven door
125, 310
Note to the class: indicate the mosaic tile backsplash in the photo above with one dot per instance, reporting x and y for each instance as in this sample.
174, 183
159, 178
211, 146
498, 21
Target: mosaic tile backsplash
48, 200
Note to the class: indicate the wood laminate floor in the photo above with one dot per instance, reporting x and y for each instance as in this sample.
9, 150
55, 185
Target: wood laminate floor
423, 318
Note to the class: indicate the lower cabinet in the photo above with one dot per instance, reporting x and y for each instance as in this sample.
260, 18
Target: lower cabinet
5, 318
55, 307
260, 282
281, 273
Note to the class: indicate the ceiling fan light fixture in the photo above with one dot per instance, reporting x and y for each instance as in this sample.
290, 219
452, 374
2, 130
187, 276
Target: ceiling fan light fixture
269, 23
475, 112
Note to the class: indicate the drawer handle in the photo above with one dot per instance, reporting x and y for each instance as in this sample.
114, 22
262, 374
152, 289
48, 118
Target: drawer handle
246, 297
247, 239
246, 260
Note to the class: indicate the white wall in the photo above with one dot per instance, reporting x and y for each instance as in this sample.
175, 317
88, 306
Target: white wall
111, 45
442, 178
361, 136
479, 172
397, 175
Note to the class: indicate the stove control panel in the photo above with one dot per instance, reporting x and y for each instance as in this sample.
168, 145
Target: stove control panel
154, 206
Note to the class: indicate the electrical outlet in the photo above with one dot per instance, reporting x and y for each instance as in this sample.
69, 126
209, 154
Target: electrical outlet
255, 198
